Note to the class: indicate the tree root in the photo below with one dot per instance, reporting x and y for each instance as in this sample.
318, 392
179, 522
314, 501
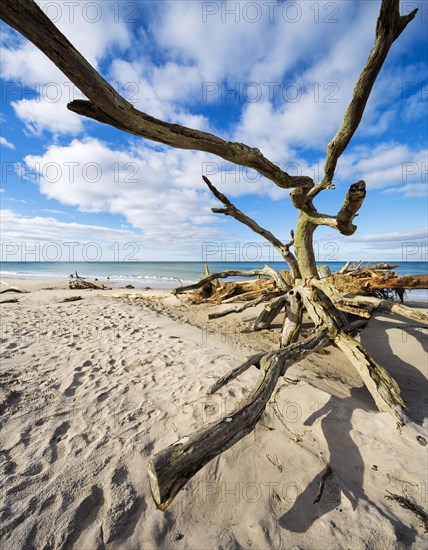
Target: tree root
171, 469
383, 388
355, 301
240, 309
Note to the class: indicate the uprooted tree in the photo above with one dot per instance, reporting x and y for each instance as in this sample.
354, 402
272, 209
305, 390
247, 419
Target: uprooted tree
328, 307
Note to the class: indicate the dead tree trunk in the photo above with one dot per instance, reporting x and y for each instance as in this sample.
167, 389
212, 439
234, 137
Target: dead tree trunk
326, 306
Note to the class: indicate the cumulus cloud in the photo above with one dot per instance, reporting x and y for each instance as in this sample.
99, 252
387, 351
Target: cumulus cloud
91, 27
391, 164
44, 238
157, 191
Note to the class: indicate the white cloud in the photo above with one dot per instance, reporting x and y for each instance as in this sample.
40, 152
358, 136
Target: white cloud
158, 191
386, 165
24, 63
42, 238
15, 226
411, 190
6, 143
393, 236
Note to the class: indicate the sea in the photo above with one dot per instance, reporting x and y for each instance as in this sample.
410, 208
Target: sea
167, 274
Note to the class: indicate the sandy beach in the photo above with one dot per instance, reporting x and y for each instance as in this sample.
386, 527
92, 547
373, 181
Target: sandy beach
90, 389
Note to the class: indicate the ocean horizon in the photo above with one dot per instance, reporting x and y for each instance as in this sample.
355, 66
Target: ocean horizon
168, 274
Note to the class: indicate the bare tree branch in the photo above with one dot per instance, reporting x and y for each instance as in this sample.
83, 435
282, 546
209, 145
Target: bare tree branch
171, 468
253, 303
389, 27
267, 270
231, 210
342, 222
107, 106
254, 360
354, 301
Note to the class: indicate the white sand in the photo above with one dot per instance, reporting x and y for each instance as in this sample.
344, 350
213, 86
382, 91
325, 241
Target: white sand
91, 389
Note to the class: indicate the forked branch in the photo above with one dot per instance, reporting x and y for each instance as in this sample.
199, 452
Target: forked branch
231, 210
171, 469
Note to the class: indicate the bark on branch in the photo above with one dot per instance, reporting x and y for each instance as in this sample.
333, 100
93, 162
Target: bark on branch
107, 106
172, 468
389, 27
231, 210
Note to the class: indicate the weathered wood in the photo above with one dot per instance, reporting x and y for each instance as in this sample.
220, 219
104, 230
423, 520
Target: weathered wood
382, 387
231, 210
266, 271
380, 384
254, 360
356, 301
389, 27
352, 203
323, 271
408, 282
79, 283
269, 313
293, 320
239, 309
171, 468
14, 289
107, 106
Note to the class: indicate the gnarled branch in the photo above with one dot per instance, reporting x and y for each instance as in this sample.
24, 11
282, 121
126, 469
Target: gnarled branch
355, 301
107, 106
267, 270
231, 210
389, 27
254, 360
171, 469
253, 303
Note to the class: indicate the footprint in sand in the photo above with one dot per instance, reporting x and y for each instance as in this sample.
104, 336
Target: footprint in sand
84, 515
71, 389
123, 505
58, 436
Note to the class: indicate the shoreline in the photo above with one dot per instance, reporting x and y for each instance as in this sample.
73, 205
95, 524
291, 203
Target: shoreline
92, 388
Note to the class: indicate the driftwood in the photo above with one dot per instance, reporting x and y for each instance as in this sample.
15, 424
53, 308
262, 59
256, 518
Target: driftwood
14, 289
327, 472
329, 300
71, 299
9, 301
172, 468
79, 283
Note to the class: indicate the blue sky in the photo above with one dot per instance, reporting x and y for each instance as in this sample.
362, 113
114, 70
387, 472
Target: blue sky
274, 75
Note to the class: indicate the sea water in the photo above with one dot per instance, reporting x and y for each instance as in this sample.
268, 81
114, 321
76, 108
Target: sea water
167, 274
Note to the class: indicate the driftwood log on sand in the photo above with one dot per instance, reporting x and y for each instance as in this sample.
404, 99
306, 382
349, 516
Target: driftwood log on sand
327, 299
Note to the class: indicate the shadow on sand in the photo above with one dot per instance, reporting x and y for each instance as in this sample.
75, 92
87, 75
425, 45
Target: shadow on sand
344, 457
